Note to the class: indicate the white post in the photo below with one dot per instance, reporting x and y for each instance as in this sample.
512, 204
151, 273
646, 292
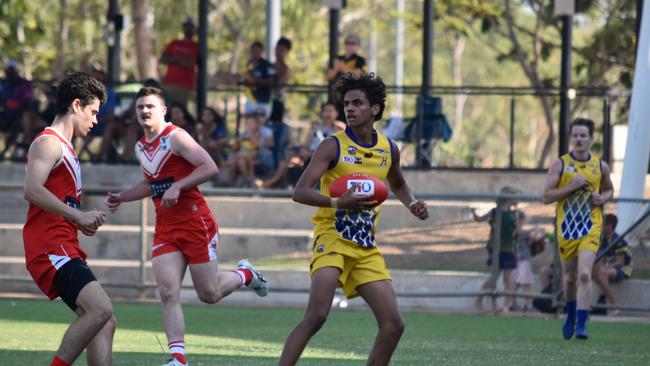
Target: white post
399, 56
637, 147
273, 26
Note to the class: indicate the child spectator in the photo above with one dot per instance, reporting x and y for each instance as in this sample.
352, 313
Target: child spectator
529, 244
511, 220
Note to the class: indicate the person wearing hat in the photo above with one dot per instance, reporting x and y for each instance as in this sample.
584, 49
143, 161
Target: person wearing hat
181, 57
348, 62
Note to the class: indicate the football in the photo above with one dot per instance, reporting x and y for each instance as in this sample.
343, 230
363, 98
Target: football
368, 186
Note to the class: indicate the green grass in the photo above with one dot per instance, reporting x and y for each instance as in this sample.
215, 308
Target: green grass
30, 331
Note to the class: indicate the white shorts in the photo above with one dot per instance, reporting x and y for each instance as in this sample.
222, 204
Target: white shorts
523, 273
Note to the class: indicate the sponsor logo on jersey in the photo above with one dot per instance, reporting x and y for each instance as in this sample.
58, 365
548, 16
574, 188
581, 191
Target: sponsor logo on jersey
352, 160
365, 187
384, 162
352, 150
381, 151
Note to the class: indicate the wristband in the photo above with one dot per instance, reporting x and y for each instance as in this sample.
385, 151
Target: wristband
333, 202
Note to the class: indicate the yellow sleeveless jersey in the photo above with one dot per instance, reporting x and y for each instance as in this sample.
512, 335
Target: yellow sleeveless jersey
576, 215
375, 159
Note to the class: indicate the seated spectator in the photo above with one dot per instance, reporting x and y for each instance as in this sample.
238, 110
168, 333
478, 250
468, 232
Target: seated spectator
180, 116
293, 161
105, 117
615, 265
252, 149
16, 99
529, 244
213, 135
36, 122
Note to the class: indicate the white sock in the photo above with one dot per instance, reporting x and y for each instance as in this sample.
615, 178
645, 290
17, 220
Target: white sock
176, 347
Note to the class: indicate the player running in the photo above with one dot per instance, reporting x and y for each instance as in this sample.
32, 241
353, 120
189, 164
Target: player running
344, 251
580, 184
53, 255
186, 233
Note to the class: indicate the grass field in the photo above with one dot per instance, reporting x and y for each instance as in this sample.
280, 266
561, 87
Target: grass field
30, 331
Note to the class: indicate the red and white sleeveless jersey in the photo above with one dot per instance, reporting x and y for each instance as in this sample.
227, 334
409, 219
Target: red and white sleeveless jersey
162, 167
44, 230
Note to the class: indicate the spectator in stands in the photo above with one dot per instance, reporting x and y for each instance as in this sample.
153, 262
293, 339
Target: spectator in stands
251, 149
529, 244
213, 135
181, 117
615, 265
282, 76
105, 117
181, 57
34, 123
16, 101
260, 77
511, 220
326, 127
350, 61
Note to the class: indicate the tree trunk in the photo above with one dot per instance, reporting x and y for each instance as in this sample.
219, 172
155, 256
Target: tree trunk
459, 48
143, 40
62, 40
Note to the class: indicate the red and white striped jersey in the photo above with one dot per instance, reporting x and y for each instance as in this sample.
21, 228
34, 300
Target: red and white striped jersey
162, 167
44, 230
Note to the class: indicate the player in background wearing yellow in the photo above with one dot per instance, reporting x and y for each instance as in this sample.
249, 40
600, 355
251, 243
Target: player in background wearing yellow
344, 250
580, 184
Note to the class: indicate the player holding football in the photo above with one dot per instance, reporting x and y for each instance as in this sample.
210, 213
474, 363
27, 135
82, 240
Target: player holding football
53, 255
186, 233
580, 184
344, 249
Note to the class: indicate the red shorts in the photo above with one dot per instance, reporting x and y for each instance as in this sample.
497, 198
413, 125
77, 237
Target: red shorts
197, 239
43, 267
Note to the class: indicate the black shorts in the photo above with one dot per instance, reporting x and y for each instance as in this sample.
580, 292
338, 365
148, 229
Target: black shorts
71, 279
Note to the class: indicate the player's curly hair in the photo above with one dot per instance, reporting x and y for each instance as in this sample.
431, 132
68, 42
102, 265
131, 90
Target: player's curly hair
78, 85
372, 85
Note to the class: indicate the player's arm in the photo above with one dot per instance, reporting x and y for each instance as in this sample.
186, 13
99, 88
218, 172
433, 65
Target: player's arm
551, 191
606, 186
137, 192
205, 168
306, 194
42, 156
401, 189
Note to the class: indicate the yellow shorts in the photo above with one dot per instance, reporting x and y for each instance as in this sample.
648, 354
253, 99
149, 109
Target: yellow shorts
569, 248
358, 265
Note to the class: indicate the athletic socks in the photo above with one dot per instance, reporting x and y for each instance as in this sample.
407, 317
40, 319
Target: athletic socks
245, 275
581, 324
58, 362
569, 326
177, 349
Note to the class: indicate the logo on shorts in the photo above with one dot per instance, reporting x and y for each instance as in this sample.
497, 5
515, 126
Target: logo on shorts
320, 248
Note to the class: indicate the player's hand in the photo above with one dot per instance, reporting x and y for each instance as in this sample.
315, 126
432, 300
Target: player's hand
170, 197
112, 201
597, 199
578, 181
419, 209
87, 230
351, 201
90, 220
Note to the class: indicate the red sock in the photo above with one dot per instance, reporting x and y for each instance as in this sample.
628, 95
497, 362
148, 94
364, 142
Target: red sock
246, 276
180, 357
58, 362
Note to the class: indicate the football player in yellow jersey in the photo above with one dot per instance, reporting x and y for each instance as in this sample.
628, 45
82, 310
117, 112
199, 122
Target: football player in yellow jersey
580, 184
350, 262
